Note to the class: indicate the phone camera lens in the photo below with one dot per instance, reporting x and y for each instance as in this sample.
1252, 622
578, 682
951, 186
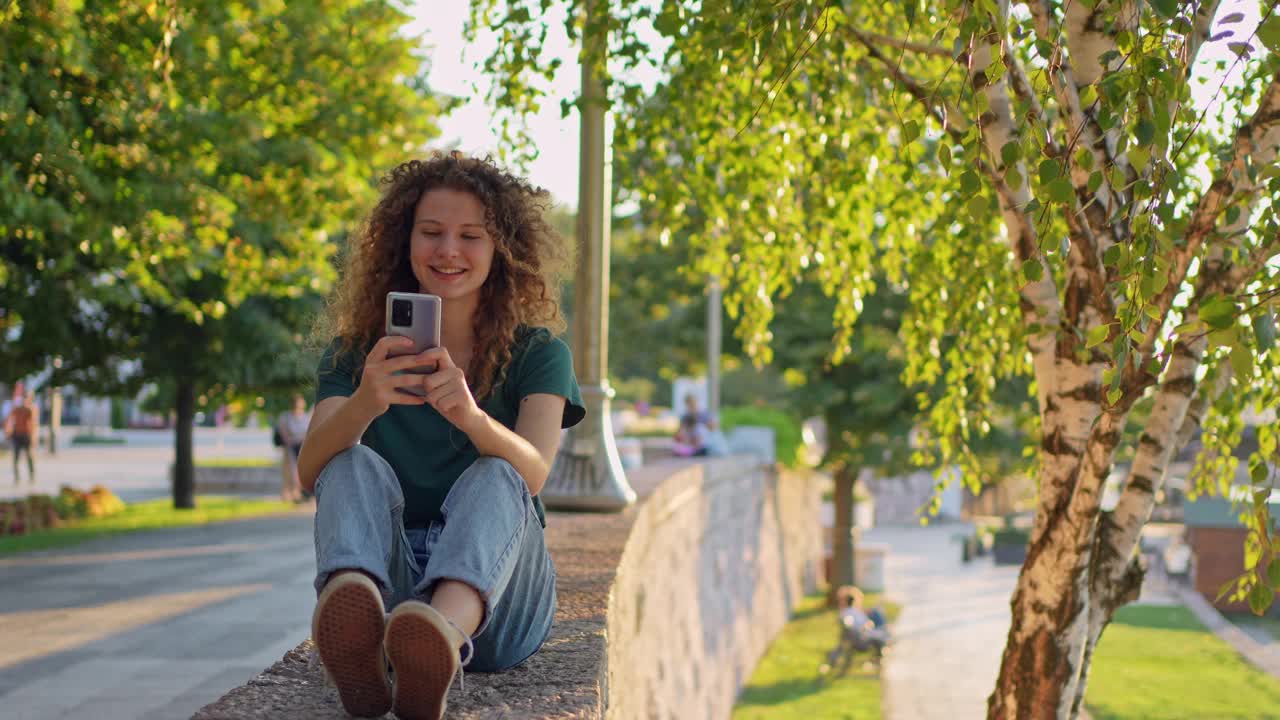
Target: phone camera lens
401, 313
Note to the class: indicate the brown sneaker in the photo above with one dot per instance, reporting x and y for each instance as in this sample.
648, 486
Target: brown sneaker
422, 647
347, 628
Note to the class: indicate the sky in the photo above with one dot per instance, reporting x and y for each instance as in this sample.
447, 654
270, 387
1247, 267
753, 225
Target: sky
454, 71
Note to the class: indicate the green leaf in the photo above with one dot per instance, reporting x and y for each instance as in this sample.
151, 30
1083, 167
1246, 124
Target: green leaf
910, 131
969, 182
977, 207
944, 154
1273, 572
1032, 270
1097, 335
1011, 152
1088, 94
1061, 191
1241, 362
1095, 180
1138, 157
1269, 33
1144, 132
1264, 329
1258, 473
1111, 258
1260, 598
1084, 158
1218, 312
1113, 395
1050, 170
1166, 8
1241, 49
1013, 178
1225, 588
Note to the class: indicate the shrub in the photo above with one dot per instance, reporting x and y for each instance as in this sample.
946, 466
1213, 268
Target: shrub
102, 502
786, 428
41, 512
1010, 536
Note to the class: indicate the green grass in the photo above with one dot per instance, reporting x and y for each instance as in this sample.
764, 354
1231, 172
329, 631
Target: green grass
238, 462
98, 440
1161, 663
785, 684
150, 515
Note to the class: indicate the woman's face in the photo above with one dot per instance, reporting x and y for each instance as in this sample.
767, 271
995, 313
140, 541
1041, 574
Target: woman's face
450, 248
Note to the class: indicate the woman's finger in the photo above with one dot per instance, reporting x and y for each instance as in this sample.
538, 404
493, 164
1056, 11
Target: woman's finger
403, 397
442, 377
405, 362
439, 395
406, 380
386, 344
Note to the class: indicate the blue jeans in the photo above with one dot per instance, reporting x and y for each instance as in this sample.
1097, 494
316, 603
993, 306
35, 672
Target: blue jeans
489, 538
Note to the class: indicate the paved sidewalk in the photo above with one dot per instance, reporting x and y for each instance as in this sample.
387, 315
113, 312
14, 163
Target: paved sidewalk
949, 638
151, 626
137, 470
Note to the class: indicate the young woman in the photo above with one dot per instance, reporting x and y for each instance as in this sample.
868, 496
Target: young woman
428, 505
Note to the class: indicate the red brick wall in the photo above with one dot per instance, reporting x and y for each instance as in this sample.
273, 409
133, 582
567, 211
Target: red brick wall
1219, 557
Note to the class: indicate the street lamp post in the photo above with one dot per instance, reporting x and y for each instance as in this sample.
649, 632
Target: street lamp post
587, 474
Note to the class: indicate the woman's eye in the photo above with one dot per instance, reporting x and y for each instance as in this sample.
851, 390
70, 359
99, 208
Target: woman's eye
470, 237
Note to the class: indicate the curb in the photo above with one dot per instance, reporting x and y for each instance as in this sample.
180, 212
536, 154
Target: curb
1264, 657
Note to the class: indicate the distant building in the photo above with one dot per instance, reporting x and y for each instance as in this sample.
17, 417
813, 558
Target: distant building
1216, 537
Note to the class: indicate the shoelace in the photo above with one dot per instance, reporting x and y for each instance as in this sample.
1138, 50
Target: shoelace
463, 662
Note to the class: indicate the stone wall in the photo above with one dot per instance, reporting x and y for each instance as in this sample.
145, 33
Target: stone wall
237, 480
717, 559
663, 609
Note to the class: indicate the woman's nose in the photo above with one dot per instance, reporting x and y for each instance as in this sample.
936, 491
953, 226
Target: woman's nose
449, 244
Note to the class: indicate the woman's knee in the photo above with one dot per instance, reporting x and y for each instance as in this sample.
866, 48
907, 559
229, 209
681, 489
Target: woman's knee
487, 481
494, 471
359, 466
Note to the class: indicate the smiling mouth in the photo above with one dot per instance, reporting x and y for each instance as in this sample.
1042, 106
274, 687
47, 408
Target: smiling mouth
448, 272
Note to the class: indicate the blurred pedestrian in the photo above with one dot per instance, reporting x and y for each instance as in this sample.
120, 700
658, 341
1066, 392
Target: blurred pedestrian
292, 428
21, 426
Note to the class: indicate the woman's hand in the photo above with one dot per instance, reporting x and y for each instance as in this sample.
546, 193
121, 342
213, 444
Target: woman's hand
448, 392
380, 385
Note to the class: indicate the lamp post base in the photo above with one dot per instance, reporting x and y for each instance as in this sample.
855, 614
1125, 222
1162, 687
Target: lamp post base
587, 474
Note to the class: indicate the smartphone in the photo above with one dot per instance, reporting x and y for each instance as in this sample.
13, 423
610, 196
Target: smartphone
417, 317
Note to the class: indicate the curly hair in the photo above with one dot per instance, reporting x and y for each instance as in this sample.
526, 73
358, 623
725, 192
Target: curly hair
523, 287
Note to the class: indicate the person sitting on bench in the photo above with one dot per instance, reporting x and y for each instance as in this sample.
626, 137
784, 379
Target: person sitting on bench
859, 630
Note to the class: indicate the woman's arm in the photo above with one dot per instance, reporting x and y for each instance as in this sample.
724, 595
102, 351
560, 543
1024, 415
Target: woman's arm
531, 447
339, 422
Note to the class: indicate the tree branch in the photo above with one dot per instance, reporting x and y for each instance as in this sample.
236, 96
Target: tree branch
901, 44
1022, 88
1081, 128
1256, 143
1198, 36
954, 123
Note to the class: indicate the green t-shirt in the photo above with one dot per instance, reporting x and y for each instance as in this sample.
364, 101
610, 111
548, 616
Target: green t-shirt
426, 451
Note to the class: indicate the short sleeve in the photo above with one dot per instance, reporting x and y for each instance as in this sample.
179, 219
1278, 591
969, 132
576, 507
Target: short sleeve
547, 367
336, 373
